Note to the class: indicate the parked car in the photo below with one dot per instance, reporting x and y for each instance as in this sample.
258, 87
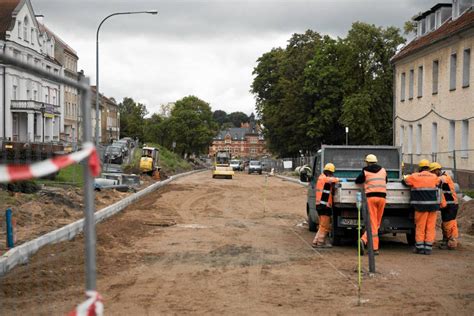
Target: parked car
237, 165
122, 143
255, 166
114, 154
131, 142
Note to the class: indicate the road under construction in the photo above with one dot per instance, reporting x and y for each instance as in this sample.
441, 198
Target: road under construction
240, 246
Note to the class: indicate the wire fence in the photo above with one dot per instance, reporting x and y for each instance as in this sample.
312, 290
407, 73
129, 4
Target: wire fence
35, 215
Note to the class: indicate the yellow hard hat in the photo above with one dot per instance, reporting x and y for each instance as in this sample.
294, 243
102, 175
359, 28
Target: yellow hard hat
371, 158
424, 163
434, 166
330, 167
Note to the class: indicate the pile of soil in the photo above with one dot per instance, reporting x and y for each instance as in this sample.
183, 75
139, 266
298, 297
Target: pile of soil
51, 208
465, 218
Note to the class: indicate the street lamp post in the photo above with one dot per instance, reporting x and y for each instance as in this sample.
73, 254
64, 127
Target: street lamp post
97, 65
347, 135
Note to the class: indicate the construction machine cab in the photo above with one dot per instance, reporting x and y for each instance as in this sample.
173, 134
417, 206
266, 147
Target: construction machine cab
149, 161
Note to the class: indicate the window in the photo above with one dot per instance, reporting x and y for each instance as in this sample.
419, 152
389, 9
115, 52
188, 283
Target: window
402, 87
410, 139
452, 136
420, 81
435, 76
32, 36
464, 138
434, 137
253, 150
35, 95
418, 139
25, 29
466, 65
28, 94
452, 72
19, 29
410, 84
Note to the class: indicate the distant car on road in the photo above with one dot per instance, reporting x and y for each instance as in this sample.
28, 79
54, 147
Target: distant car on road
255, 166
130, 141
123, 143
114, 154
237, 165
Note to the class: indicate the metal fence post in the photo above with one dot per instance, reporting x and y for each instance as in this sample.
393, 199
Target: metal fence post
89, 195
455, 171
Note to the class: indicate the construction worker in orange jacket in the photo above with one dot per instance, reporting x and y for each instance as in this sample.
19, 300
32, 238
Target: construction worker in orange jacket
324, 193
449, 208
426, 201
374, 178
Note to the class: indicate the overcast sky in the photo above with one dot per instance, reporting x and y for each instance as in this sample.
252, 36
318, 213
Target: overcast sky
206, 48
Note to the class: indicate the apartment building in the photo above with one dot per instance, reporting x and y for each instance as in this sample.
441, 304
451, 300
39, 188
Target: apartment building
109, 118
433, 93
30, 106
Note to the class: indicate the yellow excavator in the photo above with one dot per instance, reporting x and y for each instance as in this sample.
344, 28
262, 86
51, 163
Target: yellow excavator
222, 166
149, 161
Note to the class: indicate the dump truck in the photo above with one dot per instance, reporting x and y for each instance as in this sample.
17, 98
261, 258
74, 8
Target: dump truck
222, 166
349, 160
149, 161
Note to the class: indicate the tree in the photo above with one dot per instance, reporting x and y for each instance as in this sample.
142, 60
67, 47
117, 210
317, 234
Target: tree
131, 118
369, 81
236, 118
220, 117
192, 125
306, 93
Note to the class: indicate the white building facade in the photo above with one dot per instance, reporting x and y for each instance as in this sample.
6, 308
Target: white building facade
433, 90
30, 107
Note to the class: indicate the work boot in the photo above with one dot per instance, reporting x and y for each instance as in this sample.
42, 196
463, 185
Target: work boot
443, 244
376, 252
419, 251
362, 247
427, 252
452, 244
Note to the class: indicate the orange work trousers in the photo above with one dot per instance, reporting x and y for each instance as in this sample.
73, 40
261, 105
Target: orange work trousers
376, 206
425, 225
323, 230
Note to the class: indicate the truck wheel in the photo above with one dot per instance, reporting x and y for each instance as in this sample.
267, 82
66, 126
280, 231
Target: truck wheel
336, 236
411, 238
312, 226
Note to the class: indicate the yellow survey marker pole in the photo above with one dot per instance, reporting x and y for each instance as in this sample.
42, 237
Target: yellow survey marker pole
359, 258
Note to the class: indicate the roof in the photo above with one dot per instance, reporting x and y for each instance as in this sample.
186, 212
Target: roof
446, 30
236, 133
7, 7
104, 98
50, 33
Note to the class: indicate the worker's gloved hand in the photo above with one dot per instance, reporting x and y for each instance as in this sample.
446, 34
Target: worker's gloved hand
343, 179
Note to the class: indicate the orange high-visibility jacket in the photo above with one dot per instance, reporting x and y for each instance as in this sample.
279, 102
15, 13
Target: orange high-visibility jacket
449, 196
324, 190
424, 191
375, 182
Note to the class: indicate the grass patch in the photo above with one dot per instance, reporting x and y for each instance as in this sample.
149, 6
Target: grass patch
69, 175
469, 193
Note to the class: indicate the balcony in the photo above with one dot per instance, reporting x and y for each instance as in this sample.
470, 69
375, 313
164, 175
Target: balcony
34, 106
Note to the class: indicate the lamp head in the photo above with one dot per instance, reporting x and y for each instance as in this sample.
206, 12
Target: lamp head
154, 12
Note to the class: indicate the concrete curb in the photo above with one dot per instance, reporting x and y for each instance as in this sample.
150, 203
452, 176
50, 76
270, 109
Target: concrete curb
292, 180
21, 254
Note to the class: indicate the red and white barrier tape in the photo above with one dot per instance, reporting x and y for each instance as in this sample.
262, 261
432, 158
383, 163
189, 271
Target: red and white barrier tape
91, 307
10, 173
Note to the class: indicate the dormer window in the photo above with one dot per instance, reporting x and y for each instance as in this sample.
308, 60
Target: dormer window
32, 36
19, 29
431, 18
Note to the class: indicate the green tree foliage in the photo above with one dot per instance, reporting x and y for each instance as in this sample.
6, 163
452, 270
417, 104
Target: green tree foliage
233, 119
220, 117
132, 115
306, 93
192, 125
236, 118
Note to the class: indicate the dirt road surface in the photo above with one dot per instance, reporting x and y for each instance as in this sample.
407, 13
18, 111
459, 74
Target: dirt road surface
216, 246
